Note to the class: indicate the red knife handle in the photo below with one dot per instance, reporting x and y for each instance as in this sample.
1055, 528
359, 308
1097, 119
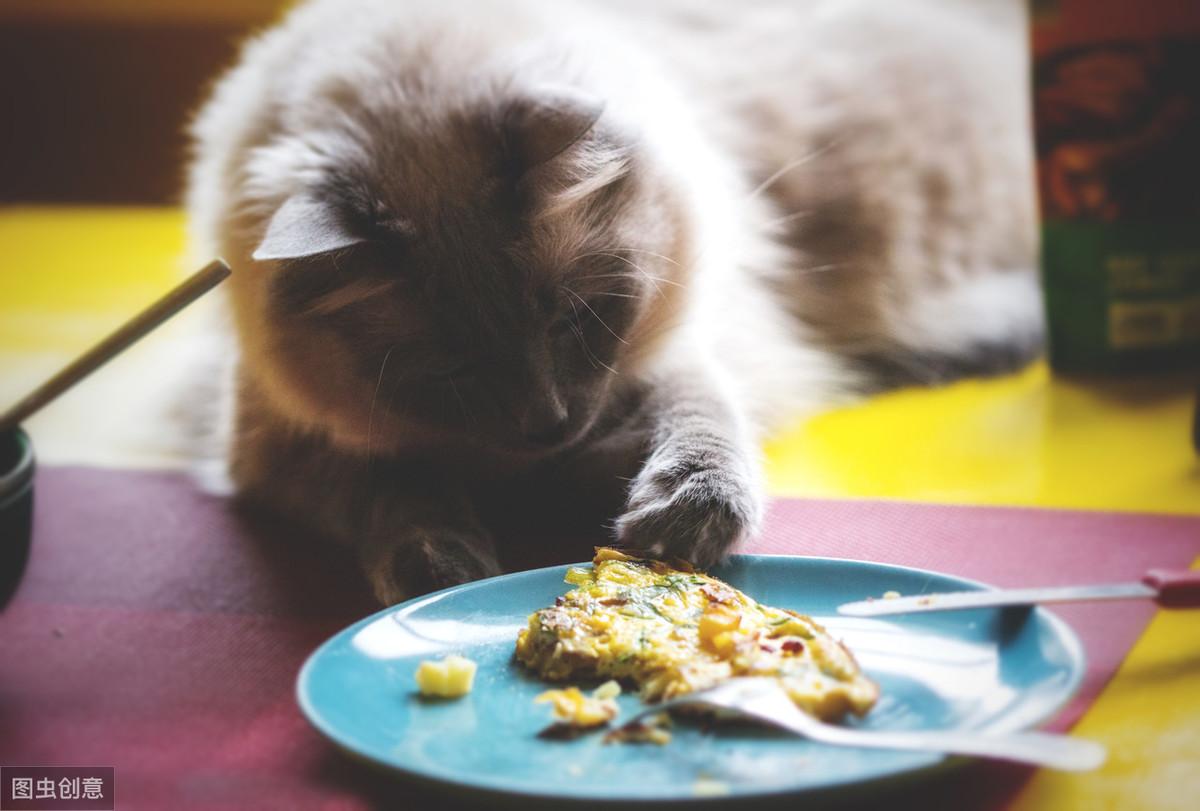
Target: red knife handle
1178, 588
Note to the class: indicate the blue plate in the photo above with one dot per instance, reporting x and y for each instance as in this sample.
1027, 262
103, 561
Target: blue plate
983, 669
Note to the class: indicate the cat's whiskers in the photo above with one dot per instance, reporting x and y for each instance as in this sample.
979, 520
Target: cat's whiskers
822, 268
787, 218
592, 355
577, 330
654, 280
391, 398
791, 166
603, 323
375, 398
468, 417
661, 279
607, 293
650, 253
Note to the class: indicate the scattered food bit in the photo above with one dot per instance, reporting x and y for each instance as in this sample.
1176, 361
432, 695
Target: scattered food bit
610, 689
451, 677
577, 711
650, 730
708, 787
560, 731
925, 601
891, 595
575, 770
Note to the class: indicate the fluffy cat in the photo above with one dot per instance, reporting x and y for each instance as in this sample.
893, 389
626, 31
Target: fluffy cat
501, 245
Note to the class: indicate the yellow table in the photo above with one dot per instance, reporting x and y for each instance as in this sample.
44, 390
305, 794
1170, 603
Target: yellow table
69, 275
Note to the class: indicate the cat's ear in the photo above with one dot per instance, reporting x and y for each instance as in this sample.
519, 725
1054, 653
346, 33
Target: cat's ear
304, 226
547, 121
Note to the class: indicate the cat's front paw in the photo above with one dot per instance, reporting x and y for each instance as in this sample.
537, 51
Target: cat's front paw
694, 510
423, 560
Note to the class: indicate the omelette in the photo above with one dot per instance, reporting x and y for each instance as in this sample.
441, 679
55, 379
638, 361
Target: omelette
669, 630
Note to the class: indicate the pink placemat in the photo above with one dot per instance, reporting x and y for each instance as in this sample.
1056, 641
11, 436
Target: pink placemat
159, 630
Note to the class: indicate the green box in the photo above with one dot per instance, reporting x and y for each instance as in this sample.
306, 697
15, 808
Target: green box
1122, 297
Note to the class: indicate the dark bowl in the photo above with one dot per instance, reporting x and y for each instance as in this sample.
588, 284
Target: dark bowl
16, 509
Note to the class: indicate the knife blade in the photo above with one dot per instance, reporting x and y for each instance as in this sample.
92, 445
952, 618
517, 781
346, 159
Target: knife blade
958, 600
1179, 588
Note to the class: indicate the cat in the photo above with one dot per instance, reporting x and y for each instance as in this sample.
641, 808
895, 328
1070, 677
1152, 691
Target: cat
605, 247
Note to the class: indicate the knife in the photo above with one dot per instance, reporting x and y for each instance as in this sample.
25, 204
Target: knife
1170, 589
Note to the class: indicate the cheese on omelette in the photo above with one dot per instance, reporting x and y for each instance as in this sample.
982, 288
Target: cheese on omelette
670, 631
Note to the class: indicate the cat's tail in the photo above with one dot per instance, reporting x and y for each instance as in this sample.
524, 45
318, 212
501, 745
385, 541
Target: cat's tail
989, 325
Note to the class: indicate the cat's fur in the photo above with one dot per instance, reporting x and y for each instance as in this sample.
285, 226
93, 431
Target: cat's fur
610, 242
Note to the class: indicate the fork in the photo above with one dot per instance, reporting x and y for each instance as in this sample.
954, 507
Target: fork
762, 699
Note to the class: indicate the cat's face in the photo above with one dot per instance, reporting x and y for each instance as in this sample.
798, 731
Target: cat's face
486, 280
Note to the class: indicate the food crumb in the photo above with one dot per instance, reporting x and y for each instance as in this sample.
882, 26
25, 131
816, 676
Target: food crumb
451, 677
610, 689
925, 601
891, 595
574, 709
651, 730
708, 787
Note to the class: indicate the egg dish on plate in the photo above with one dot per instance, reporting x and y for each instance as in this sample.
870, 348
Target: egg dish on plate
670, 630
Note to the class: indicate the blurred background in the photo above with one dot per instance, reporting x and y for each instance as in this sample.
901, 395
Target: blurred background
97, 93
96, 97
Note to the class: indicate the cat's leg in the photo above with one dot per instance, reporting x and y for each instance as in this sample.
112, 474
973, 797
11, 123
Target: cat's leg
699, 491
412, 530
432, 542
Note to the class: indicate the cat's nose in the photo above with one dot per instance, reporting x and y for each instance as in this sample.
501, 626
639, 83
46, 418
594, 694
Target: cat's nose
545, 423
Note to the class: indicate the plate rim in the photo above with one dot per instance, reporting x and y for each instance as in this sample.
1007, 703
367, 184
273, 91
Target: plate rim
462, 787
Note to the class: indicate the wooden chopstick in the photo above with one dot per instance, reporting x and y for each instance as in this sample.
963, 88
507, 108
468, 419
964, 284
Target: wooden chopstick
127, 334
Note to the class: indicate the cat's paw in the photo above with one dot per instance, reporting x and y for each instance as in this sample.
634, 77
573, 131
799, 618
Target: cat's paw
425, 560
690, 509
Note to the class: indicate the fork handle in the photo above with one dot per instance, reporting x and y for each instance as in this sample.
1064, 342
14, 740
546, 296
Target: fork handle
1038, 748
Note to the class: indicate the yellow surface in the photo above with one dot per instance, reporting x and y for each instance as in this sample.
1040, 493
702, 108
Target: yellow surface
67, 278
69, 275
1149, 717
64, 264
1027, 439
